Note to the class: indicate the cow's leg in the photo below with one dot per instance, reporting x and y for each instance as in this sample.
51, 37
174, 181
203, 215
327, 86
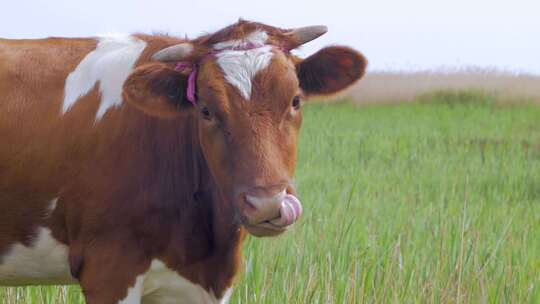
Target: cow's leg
112, 272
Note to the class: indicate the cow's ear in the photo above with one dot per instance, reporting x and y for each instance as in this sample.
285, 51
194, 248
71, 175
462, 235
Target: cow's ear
330, 70
158, 90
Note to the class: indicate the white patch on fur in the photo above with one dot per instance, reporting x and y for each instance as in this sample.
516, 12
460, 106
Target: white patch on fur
226, 296
43, 262
134, 293
257, 38
109, 64
163, 285
240, 67
52, 206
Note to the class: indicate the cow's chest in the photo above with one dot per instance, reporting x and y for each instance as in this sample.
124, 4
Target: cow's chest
162, 285
46, 262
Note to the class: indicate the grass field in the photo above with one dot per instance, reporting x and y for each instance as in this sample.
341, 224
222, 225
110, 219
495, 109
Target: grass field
436, 201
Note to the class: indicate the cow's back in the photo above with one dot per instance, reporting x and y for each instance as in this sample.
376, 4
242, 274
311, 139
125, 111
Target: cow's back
33, 75
60, 102
32, 78
34, 136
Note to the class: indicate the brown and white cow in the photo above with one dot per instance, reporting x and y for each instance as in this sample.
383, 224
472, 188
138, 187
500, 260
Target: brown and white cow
116, 176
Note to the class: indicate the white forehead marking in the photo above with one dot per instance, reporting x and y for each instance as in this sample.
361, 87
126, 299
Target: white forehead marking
109, 64
257, 38
240, 67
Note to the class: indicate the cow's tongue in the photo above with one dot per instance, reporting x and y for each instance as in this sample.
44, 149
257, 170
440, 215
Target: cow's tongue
290, 211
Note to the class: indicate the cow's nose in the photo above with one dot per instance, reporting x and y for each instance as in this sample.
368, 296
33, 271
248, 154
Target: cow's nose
263, 205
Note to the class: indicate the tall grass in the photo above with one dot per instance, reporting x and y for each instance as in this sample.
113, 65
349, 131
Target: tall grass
429, 202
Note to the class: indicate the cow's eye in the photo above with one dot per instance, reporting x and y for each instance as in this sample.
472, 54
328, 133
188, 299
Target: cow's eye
296, 102
206, 113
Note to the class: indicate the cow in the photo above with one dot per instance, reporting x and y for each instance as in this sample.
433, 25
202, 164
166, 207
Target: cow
136, 165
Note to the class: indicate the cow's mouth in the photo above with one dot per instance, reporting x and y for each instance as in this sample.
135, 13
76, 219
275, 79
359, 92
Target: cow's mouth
289, 212
265, 229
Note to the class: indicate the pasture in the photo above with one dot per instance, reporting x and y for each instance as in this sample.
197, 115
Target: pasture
434, 201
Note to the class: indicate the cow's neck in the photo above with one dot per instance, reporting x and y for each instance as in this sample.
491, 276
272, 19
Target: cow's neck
225, 226
225, 234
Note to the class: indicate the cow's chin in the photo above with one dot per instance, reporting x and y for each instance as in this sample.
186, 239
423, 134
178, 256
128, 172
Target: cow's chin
265, 229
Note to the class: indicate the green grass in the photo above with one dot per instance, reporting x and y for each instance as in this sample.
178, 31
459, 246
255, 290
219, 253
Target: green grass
429, 202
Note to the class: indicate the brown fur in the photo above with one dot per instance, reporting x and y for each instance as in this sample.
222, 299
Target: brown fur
152, 179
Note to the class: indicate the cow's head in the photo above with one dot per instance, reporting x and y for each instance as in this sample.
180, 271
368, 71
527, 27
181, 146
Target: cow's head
248, 104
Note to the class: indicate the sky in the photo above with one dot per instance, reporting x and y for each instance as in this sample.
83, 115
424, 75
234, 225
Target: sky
395, 35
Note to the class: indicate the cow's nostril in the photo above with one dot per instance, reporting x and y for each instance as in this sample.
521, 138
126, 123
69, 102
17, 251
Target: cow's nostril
259, 201
263, 208
249, 206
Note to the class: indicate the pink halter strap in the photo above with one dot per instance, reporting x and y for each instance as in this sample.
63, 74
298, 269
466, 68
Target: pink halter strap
192, 78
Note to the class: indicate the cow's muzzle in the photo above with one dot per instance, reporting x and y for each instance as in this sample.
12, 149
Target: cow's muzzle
269, 215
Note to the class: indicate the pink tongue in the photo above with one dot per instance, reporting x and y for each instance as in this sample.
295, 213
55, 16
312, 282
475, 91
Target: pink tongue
290, 211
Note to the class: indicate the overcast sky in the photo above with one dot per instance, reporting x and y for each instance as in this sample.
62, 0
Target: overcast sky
393, 34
